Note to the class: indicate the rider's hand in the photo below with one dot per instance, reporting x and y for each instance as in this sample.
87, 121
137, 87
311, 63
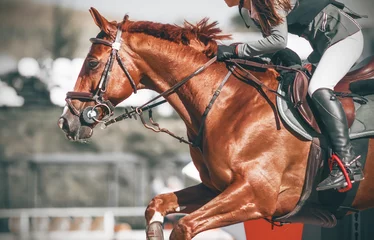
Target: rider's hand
225, 52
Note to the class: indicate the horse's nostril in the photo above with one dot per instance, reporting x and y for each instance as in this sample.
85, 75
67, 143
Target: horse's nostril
63, 124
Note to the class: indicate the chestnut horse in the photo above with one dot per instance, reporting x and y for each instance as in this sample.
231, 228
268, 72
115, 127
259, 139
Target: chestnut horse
249, 168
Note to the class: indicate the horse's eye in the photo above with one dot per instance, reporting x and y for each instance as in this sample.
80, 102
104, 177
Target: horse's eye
93, 64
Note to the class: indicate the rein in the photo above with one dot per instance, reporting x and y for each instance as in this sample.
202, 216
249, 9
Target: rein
138, 111
249, 75
179, 84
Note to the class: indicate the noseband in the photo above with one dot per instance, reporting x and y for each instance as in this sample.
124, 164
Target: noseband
90, 113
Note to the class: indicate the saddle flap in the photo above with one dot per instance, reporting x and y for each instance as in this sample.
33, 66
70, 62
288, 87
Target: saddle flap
362, 75
366, 71
323, 208
299, 98
308, 210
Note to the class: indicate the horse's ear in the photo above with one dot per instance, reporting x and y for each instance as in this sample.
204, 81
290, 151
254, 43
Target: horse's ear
101, 22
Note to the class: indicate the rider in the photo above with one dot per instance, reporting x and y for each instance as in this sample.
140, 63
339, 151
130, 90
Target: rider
337, 43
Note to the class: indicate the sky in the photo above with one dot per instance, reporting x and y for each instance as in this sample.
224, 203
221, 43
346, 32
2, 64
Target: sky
175, 11
164, 11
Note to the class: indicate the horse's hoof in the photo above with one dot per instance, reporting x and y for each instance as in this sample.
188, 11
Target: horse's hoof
154, 231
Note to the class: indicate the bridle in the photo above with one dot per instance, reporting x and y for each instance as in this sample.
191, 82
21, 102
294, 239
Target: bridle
90, 114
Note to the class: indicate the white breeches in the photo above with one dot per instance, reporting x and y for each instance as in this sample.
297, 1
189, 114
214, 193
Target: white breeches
336, 62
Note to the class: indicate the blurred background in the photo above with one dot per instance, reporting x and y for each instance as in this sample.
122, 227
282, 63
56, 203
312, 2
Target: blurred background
102, 186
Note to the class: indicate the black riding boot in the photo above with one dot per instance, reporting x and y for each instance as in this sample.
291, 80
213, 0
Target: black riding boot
333, 117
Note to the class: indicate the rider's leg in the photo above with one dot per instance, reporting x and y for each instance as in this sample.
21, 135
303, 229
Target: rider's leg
335, 121
334, 65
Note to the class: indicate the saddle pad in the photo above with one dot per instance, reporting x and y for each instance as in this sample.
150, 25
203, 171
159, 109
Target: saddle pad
291, 116
363, 125
304, 211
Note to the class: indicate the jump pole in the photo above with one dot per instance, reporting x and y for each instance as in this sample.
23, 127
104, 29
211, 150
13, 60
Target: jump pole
262, 230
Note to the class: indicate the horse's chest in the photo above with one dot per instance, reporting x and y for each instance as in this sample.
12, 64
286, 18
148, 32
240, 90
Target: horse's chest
219, 174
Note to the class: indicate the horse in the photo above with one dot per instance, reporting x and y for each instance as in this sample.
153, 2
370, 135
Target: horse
249, 169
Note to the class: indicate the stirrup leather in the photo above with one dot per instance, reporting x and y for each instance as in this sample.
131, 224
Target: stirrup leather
343, 168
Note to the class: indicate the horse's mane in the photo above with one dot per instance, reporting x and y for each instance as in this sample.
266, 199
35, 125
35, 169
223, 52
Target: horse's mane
206, 33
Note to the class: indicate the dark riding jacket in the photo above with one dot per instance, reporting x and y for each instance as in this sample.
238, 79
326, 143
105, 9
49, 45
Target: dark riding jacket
303, 13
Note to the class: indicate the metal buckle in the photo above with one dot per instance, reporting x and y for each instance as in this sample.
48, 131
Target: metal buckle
116, 45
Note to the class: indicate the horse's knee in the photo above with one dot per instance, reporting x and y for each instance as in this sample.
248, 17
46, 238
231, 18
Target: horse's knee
182, 230
267, 211
154, 211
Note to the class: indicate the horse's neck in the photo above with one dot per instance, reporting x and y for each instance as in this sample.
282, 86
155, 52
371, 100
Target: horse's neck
167, 65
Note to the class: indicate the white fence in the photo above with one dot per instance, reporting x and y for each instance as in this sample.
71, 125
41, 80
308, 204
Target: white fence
81, 223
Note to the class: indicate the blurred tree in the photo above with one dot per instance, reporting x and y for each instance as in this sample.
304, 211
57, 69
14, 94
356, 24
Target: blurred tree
40, 30
65, 34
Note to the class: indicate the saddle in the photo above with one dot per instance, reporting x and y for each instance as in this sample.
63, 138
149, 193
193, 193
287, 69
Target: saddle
356, 83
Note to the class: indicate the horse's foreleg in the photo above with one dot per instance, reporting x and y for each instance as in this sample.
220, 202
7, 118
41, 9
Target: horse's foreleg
184, 201
236, 204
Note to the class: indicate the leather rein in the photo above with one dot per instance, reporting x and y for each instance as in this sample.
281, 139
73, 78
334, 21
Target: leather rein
138, 111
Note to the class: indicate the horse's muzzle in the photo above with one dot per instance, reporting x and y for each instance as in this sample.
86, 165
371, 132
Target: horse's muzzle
74, 130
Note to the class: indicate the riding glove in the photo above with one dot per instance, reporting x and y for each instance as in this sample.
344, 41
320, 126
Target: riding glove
225, 52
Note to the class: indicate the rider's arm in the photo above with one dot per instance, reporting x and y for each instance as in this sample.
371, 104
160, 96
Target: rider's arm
277, 40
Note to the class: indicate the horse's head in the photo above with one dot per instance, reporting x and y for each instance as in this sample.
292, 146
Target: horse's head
97, 90
118, 64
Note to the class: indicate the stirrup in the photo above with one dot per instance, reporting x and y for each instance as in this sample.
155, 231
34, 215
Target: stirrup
343, 169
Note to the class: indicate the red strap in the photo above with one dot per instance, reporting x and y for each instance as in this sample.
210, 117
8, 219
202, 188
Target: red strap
335, 158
